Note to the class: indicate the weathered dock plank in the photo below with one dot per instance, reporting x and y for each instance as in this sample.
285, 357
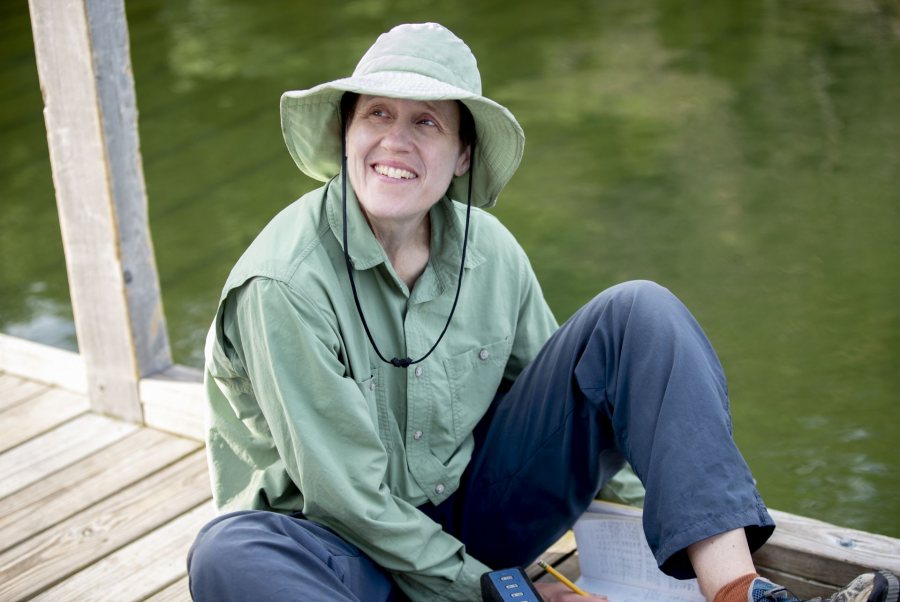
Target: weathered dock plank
52, 556
38, 457
140, 569
44, 412
14, 389
66, 492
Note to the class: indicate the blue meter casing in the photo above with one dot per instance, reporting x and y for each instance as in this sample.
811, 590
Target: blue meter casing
508, 585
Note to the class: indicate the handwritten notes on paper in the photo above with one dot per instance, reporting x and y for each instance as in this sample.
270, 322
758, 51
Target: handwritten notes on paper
617, 562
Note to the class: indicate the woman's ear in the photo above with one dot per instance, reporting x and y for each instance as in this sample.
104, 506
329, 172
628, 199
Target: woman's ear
463, 162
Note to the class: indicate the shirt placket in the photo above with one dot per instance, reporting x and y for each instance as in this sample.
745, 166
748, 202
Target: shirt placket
418, 401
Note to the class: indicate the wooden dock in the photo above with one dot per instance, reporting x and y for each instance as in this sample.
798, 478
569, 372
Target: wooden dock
93, 508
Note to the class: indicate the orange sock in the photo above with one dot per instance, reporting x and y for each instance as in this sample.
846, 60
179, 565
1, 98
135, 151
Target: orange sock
736, 591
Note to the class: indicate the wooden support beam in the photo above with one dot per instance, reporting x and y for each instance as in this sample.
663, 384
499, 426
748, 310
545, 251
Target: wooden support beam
90, 112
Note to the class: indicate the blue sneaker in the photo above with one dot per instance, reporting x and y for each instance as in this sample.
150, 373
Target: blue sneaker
881, 586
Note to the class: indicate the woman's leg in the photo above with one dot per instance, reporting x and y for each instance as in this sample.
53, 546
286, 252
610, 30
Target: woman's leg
252, 555
720, 560
630, 376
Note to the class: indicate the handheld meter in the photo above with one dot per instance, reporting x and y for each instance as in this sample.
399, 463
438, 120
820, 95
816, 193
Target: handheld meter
508, 585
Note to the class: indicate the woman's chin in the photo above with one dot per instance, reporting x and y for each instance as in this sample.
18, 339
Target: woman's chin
394, 211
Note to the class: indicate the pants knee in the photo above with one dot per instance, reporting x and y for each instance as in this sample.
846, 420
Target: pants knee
216, 550
255, 555
639, 291
643, 300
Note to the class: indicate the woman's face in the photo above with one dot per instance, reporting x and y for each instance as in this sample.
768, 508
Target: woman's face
402, 155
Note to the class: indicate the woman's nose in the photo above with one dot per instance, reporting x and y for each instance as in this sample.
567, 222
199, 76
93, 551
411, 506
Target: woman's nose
398, 137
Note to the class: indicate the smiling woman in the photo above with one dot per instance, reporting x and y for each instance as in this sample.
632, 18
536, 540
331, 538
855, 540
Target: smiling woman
401, 157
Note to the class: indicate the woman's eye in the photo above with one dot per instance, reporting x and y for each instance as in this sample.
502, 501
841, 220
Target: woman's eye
427, 121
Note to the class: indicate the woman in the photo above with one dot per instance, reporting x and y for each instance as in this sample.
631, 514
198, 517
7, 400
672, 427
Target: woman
393, 409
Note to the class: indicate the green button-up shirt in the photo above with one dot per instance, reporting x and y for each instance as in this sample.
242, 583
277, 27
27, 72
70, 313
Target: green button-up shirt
305, 417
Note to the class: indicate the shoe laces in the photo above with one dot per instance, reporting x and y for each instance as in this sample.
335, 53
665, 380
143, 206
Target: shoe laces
782, 594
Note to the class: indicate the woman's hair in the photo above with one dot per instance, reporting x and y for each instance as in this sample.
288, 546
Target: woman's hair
466, 121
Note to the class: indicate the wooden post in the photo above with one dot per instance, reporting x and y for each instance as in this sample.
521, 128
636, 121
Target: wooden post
90, 112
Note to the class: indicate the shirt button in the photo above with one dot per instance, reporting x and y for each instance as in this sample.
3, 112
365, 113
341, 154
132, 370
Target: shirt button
372, 386
417, 435
484, 354
418, 370
439, 488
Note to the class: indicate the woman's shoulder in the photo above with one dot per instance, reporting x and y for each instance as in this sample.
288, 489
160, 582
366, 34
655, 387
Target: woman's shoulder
492, 240
290, 239
486, 231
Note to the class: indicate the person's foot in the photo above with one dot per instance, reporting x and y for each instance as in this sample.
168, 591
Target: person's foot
881, 586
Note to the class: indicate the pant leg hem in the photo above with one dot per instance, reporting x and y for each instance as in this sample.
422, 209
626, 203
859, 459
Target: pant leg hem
672, 557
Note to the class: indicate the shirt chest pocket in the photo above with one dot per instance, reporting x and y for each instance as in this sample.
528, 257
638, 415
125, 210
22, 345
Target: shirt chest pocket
472, 379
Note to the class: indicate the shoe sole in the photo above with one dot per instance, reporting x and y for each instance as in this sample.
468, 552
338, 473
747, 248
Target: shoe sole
881, 586
891, 586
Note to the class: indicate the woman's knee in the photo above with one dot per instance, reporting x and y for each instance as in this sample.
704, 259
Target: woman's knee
632, 291
219, 545
244, 555
241, 551
644, 299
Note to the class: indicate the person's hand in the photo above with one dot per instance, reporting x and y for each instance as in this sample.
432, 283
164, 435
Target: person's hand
558, 592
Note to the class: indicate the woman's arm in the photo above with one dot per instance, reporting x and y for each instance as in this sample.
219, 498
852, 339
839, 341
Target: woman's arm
321, 424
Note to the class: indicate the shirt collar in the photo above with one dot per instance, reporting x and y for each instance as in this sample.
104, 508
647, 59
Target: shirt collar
365, 250
447, 229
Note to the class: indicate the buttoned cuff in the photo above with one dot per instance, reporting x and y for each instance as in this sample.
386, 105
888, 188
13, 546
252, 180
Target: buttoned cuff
467, 585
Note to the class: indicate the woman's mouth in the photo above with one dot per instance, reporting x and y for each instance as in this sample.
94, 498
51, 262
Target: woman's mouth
395, 173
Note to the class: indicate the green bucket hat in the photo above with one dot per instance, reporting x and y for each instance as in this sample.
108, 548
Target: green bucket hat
423, 61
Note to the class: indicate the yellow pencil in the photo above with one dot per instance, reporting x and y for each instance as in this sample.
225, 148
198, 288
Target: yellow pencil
562, 578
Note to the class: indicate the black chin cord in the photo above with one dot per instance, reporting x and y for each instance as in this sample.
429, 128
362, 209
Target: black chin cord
398, 362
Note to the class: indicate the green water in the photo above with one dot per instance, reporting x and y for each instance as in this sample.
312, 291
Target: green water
744, 154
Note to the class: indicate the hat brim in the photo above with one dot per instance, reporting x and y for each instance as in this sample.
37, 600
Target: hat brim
310, 122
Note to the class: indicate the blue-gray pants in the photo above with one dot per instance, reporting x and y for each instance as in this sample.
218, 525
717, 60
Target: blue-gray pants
631, 376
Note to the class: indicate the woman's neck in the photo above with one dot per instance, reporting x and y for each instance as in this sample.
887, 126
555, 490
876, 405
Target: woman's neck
407, 245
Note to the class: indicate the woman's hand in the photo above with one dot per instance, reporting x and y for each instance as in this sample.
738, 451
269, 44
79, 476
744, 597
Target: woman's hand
558, 592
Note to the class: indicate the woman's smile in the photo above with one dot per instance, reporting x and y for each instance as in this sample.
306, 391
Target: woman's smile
393, 173
402, 155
